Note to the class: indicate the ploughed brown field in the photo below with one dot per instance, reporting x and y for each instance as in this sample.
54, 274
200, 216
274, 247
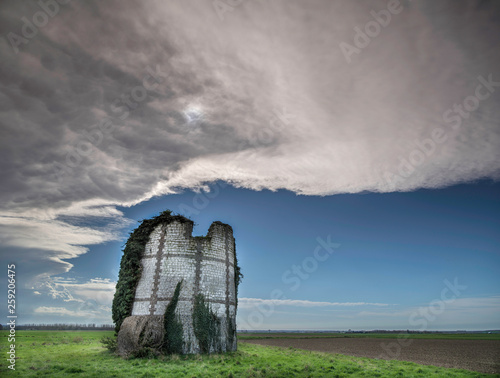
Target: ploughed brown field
476, 355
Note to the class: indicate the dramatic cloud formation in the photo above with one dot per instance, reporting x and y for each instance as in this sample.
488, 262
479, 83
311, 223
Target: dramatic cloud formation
111, 103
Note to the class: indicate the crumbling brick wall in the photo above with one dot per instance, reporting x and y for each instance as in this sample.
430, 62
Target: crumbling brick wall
205, 265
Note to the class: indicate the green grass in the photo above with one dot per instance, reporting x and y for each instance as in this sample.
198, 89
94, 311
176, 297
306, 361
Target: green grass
79, 353
297, 335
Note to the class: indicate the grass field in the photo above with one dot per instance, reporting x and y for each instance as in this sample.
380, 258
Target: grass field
80, 353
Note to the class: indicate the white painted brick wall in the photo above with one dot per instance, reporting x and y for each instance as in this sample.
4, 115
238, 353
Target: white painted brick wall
212, 283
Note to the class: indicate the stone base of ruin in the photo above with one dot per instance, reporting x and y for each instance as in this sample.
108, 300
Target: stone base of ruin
139, 332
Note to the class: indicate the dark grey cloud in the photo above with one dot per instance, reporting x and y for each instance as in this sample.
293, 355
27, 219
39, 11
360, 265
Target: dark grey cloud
64, 88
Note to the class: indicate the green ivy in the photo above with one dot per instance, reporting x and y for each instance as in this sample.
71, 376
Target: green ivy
130, 266
231, 331
238, 276
206, 325
173, 341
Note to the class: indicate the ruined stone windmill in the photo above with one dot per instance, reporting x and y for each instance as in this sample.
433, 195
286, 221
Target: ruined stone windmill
177, 293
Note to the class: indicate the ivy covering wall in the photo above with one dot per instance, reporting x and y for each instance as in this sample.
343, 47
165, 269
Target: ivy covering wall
172, 340
130, 266
207, 326
238, 276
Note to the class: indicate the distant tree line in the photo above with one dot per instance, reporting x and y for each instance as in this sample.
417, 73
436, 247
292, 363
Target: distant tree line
66, 327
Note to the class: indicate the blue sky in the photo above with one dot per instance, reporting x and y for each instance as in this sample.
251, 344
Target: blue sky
328, 127
393, 254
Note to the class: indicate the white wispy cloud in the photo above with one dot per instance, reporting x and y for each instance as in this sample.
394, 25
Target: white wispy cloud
81, 314
450, 313
47, 238
88, 300
482, 312
98, 290
462, 305
60, 311
252, 302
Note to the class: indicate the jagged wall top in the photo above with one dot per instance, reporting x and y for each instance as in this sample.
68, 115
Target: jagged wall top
131, 267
